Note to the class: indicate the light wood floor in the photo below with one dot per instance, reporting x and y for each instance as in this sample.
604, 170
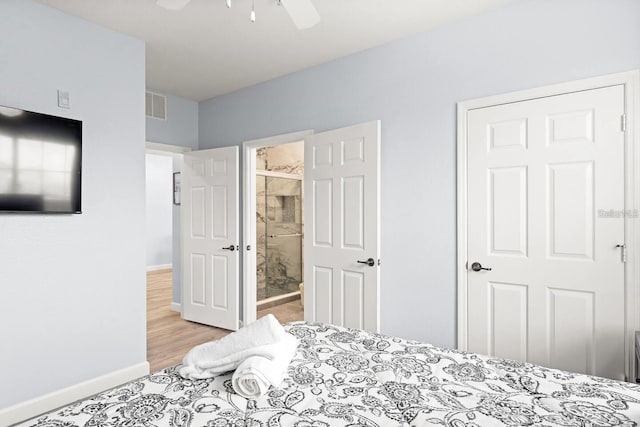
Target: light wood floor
169, 337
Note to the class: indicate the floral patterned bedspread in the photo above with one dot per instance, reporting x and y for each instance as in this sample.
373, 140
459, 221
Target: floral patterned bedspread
349, 377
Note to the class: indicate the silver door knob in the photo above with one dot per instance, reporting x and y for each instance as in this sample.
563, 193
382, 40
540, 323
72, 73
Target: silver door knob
370, 262
476, 266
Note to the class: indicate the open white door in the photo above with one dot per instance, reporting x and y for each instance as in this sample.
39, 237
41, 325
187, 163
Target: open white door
210, 237
341, 227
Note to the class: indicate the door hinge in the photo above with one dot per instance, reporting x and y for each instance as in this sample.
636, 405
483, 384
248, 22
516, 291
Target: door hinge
623, 122
623, 252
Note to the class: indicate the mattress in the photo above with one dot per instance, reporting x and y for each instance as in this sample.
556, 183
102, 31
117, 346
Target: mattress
349, 377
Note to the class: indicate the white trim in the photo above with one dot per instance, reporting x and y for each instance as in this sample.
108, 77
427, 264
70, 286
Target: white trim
159, 148
159, 267
461, 226
632, 228
249, 287
631, 82
176, 152
34, 407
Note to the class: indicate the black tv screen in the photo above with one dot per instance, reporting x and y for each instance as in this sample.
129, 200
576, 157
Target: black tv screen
40, 162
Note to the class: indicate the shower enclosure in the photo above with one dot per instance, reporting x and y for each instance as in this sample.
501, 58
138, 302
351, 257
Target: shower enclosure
279, 234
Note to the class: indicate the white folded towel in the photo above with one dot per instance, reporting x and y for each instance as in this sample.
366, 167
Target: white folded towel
256, 374
216, 357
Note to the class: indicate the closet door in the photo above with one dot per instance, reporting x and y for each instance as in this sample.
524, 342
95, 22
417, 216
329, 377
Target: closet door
546, 265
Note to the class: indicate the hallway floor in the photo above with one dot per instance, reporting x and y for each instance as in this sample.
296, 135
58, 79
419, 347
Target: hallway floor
169, 337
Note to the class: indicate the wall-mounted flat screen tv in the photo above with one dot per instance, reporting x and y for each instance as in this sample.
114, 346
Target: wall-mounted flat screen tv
40, 162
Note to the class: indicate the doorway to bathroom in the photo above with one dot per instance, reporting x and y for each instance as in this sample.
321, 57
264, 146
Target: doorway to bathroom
273, 224
341, 228
279, 239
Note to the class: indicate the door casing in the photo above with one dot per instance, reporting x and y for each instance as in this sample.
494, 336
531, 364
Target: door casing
631, 82
176, 152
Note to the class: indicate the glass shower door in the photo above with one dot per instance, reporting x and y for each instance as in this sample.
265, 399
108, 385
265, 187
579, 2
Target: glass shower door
283, 229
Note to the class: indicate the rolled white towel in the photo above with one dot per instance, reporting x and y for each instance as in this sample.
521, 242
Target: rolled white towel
213, 358
209, 369
256, 374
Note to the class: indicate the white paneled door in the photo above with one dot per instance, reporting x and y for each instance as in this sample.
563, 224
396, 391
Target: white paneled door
210, 237
544, 177
341, 227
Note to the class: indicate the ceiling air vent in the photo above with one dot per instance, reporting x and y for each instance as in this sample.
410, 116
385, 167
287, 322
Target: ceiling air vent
156, 105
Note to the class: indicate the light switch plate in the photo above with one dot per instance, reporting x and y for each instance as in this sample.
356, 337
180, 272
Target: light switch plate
63, 99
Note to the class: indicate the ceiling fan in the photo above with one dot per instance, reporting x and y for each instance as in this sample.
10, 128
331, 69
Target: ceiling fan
302, 12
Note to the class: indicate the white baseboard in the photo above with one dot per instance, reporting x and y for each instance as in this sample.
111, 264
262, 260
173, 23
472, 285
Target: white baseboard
176, 306
34, 407
159, 267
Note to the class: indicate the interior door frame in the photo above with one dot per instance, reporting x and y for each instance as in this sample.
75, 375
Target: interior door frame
249, 238
176, 152
631, 82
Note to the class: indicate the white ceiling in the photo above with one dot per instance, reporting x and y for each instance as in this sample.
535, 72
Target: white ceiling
206, 50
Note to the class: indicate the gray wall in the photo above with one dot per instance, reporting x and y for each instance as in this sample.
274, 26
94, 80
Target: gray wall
72, 287
181, 126
159, 208
413, 86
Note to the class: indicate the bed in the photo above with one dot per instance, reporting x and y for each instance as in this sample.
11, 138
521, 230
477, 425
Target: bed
349, 377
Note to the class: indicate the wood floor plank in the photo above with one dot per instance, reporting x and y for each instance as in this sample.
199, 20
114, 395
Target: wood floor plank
169, 337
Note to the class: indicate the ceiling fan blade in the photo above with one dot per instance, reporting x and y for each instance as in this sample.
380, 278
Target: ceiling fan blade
172, 4
302, 12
